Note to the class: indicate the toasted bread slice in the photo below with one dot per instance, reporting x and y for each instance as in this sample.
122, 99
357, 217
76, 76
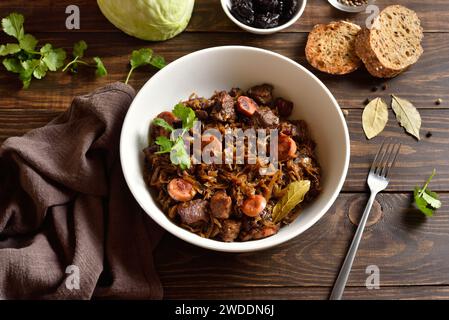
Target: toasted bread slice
392, 44
331, 48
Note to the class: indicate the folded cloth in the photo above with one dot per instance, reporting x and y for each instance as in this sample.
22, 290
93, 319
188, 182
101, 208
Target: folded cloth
69, 226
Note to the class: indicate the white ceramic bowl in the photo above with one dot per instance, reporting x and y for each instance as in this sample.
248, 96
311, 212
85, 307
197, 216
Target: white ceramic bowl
226, 5
222, 68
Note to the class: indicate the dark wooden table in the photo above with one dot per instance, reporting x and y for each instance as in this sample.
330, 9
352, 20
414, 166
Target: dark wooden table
411, 251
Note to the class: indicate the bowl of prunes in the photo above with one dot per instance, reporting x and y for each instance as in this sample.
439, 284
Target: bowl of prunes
263, 16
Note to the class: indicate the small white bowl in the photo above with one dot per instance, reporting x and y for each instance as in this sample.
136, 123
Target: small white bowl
353, 9
226, 5
222, 68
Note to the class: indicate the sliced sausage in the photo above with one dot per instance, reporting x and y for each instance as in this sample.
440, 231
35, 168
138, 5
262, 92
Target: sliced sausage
284, 107
262, 94
221, 205
170, 118
181, 190
194, 212
246, 106
230, 230
286, 147
254, 205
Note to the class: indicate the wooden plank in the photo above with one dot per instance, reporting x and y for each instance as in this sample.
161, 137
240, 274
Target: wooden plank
308, 293
416, 161
49, 15
407, 247
425, 82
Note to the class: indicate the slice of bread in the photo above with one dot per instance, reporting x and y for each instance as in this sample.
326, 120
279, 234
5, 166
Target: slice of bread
331, 48
392, 44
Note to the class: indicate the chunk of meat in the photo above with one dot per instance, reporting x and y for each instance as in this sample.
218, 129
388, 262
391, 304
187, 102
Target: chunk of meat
254, 205
284, 107
259, 233
181, 190
170, 118
288, 129
286, 147
221, 205
223, 109
230, 230
201, 115
246, 106
262, 94
266, 118
194, 212
197, 103
236, 92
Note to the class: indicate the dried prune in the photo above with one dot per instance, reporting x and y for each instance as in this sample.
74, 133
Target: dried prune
267, 20
264, 6
289, 8
243, 11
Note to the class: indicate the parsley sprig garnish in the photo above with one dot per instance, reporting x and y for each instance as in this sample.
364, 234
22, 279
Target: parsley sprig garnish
143, 57
175, 146
23, 57
425, 200
78, 53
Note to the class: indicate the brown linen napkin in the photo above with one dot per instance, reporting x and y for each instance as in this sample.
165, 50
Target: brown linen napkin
65, 207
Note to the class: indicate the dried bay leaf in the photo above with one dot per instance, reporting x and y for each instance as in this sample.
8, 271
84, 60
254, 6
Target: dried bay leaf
407, 115
293, 196
374, 118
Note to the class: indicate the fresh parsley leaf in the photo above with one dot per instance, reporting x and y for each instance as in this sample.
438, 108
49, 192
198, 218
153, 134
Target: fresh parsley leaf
27, 72
53, 58
158, 62
101, 70
8, 49
141, 57
179, 155
165, 144
144, 57
162, 123
13, 25
426, 200
28, 42
79, 48
186, 114
12, 65
41, 70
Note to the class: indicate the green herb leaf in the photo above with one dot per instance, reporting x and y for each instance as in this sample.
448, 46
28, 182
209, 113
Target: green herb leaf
158, 62
101, 70
165, 144
186, 114
53, 58
28, 42
27, 73
141, 57
162, 123
294, 195
41, 70
79, 48
13, 25
12, 65
426, 200
179, 155
9, 48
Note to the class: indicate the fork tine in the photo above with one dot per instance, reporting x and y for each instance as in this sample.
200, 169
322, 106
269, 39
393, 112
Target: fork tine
384, 151
393, 162
373, 165
386, 156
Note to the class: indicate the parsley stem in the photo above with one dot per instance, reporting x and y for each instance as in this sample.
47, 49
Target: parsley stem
427, 182
129, 75
70, 63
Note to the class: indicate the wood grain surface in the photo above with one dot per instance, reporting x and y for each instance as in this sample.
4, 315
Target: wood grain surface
411, 251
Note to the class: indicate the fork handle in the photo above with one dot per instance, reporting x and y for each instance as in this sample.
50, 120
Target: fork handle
343, 276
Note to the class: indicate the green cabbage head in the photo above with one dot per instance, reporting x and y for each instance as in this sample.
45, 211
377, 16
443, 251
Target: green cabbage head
153, 20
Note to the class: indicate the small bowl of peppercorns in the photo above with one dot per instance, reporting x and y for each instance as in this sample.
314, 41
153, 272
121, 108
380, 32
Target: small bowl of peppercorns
351, 5
263, 16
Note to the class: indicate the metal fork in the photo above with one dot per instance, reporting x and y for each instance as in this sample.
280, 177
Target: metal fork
378, 179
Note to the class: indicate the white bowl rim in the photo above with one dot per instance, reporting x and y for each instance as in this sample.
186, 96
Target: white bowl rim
248, 246
264, 31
